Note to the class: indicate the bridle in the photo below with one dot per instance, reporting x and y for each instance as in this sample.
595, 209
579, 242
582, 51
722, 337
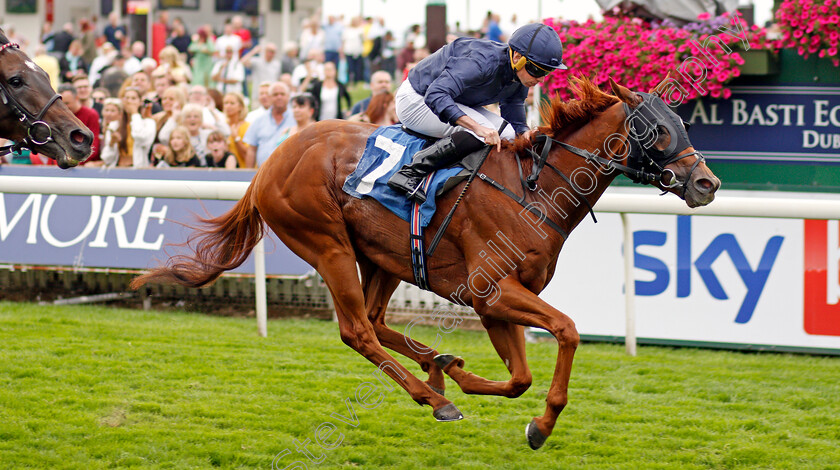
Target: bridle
32, 122
641, 166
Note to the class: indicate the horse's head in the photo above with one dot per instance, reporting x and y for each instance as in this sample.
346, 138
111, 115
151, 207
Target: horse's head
659, 144
33, 115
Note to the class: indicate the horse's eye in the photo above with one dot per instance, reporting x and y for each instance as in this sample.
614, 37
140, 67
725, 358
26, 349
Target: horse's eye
16, 82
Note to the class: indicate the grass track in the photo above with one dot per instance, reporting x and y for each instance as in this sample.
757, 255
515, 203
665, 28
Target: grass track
90, 387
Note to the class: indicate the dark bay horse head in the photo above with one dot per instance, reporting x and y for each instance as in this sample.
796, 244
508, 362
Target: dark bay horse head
659, 144
33, 115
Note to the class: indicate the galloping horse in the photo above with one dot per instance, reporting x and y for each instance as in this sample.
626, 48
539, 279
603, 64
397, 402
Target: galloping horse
298, 194
51, 130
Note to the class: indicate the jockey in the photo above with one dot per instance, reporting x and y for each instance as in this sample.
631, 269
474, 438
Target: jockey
445, 92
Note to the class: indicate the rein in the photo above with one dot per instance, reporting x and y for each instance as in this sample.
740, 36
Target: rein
31, 122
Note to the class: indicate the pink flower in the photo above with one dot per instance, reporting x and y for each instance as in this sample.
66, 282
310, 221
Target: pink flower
704, 16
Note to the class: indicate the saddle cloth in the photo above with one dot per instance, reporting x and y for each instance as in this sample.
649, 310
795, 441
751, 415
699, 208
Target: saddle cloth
386, 151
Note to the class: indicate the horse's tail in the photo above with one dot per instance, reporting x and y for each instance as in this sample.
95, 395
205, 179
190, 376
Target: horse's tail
218, 245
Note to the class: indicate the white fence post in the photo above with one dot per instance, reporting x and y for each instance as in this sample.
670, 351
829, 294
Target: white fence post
629, 288
259, 286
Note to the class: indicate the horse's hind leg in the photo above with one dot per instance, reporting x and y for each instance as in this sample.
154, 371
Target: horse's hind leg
378, 287
509, 341
338, 268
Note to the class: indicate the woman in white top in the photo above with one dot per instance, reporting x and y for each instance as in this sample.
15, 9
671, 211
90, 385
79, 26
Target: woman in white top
142, 126
329, 95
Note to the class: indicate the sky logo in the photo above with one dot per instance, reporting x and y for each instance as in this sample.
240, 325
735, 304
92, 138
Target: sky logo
821, 292
754, 279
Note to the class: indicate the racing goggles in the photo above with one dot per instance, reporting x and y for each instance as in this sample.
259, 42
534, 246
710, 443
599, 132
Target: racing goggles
535, 70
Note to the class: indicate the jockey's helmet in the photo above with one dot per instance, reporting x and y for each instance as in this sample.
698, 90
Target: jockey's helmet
541, 49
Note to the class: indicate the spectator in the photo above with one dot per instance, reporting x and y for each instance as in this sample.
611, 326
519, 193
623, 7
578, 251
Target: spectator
304, 110
172, 100
290, 58
181, 152
48, 63
115, 148
62, 39
115, 32
114, 76
405, 57
171, 64
191, 118
235, 111
380, 82
13, 36
141, 126
88, 39
211, 117
382, 110
47, 36
263, 102
83, 93
72, 63
133, 61
494, 31
265, 130
312, 69
179, 39
161, 83
329, 95
333, 31
106, 56
87, 115
264, 67
244, 35
99, 95
160, 31
202, 50
228, 39
148, 65
142, 82
228, 73
353, 47
218, 155
311, 36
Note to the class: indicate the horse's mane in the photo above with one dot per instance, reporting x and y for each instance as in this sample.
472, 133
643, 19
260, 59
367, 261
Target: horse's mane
561, 118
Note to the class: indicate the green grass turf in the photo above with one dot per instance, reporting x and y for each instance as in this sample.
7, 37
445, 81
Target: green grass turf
91, 387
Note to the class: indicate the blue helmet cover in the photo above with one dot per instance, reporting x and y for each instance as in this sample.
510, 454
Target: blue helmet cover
540, 44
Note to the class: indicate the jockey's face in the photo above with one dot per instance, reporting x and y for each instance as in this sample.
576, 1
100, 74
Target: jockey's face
527, 79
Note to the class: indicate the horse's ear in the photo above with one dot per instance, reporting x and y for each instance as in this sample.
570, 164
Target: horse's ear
658, 88
625, 94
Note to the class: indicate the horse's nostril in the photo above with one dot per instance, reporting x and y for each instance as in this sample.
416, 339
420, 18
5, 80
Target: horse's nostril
80, 137
704, 184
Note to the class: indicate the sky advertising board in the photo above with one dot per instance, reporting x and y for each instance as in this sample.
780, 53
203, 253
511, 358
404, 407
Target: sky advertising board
700, 279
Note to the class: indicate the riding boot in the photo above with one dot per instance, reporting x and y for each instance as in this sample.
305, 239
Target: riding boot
441, 154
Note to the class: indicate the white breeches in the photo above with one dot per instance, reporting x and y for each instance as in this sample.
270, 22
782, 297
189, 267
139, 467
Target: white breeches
415, 115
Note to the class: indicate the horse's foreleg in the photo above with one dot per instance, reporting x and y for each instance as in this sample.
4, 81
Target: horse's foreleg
338, 268
509, 341
518, 305
378, 287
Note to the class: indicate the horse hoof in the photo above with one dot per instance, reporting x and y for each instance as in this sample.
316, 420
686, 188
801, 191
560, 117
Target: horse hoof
439, 391
534, 436
443, 360
448, 413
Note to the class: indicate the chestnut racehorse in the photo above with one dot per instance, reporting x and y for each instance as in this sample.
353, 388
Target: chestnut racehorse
298, 194
33, 115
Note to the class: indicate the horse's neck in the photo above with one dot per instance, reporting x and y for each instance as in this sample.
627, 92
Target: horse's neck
589, 180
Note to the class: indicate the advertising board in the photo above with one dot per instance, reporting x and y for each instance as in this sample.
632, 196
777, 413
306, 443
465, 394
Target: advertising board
745, 281
115, 232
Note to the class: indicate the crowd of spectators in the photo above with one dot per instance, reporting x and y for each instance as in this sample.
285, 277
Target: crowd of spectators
221, 98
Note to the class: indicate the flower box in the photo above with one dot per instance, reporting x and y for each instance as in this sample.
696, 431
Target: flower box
759, 62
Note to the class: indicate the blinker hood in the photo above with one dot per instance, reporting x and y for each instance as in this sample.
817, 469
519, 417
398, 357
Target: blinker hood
644, 122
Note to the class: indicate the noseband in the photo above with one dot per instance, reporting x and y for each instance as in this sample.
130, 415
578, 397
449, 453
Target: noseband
32, 122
